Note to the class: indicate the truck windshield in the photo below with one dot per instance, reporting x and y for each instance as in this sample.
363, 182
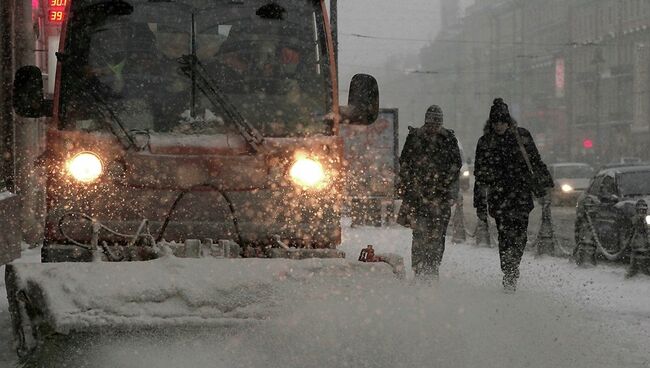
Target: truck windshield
267, 58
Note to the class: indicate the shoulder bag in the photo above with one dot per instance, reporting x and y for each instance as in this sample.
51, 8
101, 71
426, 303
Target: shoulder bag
534, 178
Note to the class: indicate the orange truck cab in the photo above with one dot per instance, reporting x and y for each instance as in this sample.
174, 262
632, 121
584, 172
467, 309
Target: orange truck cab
174, 120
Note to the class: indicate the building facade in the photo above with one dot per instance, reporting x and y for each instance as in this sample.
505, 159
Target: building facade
611, 64
574, 72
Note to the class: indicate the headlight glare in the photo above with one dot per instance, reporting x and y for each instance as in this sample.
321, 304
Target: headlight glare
308, 173
566, 188
647, 220
85, 167
466, 173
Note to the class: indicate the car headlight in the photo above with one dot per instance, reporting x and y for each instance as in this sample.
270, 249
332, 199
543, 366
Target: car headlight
308, 173
466, 173
566, 188
85, 167
647, 220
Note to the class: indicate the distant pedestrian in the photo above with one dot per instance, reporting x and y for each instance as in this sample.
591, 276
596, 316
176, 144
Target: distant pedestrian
508, 171
429, 166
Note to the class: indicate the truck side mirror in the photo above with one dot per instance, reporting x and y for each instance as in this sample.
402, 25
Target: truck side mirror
363, 100
28, 93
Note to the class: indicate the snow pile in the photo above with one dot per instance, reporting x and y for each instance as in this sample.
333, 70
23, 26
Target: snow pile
7, 352
174, 291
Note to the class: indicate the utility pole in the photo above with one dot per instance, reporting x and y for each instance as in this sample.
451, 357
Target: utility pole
6, 108
494, 54
524, 58
28, 145
568, 59
598, 61
620, 106
334, 22
519, 58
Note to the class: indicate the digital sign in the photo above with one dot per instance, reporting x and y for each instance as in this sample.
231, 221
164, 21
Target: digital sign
56, 12
55, 16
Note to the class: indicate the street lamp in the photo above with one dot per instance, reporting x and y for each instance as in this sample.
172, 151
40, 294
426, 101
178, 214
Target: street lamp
598, 60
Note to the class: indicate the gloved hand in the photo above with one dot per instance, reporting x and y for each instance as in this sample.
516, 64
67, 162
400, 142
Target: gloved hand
545, 199
455, 196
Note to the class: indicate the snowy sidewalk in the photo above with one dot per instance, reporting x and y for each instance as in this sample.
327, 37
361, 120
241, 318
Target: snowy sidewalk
603, 286
602, 292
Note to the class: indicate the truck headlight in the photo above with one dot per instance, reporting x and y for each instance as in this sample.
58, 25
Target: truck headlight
308, 173
566, 188
85, 167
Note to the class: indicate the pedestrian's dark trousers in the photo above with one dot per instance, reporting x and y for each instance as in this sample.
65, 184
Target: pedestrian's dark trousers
429, 240
513, 235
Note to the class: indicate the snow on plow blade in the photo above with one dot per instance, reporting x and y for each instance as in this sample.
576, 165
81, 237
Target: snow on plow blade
48, 299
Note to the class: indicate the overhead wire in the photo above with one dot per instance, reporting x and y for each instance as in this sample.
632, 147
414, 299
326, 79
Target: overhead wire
500, 42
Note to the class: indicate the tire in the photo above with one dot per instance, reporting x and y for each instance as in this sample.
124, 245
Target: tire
581, 227
580, 230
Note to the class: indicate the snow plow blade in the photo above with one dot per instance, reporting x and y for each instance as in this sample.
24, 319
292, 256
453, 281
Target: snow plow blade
54, 299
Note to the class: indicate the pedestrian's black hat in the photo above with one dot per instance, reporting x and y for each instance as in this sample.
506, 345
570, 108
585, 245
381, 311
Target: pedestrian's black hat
433, 115
499, 111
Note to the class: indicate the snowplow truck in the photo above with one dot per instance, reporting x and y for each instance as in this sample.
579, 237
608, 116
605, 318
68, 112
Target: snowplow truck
180, 129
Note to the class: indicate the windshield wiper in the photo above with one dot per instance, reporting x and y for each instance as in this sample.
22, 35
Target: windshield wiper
192, 67
126, 139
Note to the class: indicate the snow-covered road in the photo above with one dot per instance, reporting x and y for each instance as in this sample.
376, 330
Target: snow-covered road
561, 316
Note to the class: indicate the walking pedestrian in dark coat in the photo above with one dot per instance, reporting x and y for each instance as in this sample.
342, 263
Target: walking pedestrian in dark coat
508, 171
429, 167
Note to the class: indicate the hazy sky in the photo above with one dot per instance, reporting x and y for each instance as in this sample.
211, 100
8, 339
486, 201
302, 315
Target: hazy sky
412, 19
403, 28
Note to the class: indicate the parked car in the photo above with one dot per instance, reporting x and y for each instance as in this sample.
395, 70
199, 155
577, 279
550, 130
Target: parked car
614, 194
571, 180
